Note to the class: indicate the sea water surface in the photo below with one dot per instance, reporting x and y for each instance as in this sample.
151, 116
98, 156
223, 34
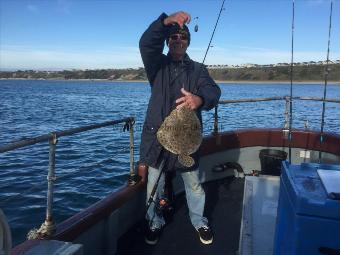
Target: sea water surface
93, 164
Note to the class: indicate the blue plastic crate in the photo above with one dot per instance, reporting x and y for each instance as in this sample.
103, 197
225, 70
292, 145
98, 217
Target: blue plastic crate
308, 222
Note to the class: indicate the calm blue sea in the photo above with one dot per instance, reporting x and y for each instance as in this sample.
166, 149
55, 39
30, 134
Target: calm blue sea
93, 164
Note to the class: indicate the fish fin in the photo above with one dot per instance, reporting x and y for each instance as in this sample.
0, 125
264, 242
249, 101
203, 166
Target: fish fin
186, 160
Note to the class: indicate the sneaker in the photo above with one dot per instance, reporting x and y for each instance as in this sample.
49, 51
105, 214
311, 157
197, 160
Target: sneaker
152, 235
205, 234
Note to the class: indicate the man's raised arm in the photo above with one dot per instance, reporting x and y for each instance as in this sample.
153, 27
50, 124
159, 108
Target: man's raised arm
151, 46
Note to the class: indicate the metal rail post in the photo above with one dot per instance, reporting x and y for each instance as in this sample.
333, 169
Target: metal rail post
215, 121
133, 178
132, 146
49, 222
49, 226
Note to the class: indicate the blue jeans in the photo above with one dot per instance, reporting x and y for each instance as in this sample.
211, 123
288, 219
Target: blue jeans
195, 196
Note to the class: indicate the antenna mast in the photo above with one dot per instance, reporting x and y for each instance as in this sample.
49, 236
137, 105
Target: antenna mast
291, 89
326, 79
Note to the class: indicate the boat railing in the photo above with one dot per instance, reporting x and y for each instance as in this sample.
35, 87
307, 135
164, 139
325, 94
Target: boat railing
287, 99
49, 225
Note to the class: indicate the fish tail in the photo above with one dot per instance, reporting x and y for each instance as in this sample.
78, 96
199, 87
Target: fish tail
186, 160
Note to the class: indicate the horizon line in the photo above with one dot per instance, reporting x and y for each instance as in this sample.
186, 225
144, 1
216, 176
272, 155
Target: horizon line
51, 69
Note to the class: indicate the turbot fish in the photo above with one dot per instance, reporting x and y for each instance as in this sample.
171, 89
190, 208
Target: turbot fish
180, 133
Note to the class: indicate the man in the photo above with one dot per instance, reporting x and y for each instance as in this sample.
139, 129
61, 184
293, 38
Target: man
176, 81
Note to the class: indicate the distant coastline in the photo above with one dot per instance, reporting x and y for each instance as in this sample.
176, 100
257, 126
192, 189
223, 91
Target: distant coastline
217, 81
281, 82
304, 73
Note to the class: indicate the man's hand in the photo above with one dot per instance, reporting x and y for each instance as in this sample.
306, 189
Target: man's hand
190, 100
142, 171
178, 17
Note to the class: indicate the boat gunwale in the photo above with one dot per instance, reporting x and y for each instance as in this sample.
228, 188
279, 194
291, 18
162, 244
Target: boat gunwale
270, 137
72, 227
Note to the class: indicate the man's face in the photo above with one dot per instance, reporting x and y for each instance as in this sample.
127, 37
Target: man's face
178, 44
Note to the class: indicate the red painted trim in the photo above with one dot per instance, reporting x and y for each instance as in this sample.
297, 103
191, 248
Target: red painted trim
24, 247
270, 138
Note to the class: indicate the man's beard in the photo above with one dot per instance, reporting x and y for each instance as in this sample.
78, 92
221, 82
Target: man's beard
178, 48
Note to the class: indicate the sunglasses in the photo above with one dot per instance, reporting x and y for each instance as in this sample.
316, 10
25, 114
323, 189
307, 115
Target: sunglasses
182, 37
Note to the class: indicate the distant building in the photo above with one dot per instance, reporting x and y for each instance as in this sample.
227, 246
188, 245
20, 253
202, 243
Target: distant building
250, 65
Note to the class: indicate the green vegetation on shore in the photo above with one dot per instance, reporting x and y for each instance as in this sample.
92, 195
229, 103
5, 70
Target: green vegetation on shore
277, 73
302, 72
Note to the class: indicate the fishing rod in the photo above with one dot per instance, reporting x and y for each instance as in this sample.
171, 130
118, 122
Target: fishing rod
211, 37
291, 88
326, 79
154, 189
213, 33
205, 55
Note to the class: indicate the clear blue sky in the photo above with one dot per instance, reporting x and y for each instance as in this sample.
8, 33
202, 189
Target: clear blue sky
66, 34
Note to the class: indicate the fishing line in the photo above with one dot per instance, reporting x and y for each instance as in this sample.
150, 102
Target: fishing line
326, 79
291, 89
209, 44
196, 26
212, 36
213, 33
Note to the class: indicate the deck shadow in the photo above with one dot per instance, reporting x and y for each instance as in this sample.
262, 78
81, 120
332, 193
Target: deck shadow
223, 209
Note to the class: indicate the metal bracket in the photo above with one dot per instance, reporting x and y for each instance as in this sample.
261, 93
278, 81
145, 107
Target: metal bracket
128, 125
54, 139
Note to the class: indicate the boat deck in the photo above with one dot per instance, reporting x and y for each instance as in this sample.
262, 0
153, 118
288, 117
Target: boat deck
223, 209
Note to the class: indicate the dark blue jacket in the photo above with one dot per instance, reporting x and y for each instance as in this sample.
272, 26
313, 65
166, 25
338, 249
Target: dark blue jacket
159, 69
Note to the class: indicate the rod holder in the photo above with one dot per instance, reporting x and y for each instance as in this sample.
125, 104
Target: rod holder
285, 130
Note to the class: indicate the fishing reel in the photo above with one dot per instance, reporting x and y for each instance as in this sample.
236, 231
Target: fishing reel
165, 203
164, 207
